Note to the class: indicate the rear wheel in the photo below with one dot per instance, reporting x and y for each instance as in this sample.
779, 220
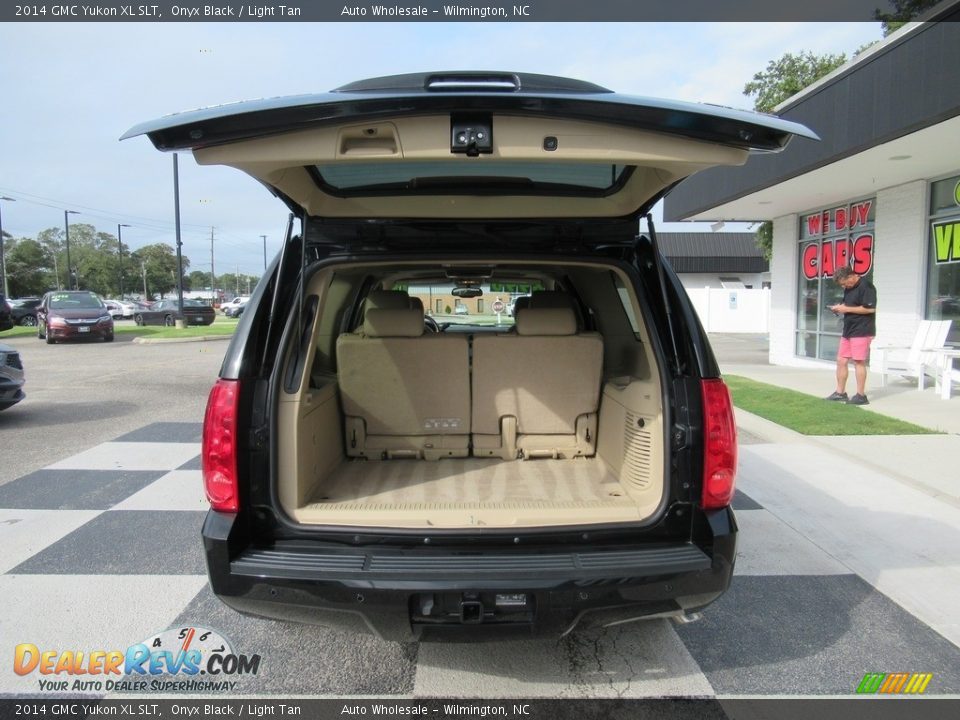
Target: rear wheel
138, 319
28, 321
168, 320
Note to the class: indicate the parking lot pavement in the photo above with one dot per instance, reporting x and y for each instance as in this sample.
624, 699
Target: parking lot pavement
102, 550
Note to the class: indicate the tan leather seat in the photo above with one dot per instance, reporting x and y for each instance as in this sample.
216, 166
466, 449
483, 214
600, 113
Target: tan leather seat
404, 394
536, 393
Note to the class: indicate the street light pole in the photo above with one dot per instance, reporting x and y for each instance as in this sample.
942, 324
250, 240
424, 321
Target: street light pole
66, 227
3, 257
264, 251
176, 216
120, 255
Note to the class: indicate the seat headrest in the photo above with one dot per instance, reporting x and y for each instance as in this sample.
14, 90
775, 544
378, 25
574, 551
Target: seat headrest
416, 303
521, 303
546, 321
550, 299
386, 300
384, 323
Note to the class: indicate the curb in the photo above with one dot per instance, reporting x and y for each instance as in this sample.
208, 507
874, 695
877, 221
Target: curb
161, 341
773, 433
767, 429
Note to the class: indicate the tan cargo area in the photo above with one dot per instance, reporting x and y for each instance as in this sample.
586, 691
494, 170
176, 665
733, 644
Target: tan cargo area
549, 424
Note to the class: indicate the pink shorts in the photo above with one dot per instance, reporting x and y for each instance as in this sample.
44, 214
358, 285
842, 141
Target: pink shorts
855, 348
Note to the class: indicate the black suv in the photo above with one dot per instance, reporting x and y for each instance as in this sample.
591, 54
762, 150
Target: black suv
378, 460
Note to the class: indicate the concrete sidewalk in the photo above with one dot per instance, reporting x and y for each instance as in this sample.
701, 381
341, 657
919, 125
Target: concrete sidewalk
926, 462
885, 507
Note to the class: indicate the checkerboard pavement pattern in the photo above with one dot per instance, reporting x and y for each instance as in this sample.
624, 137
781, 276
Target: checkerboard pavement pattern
102, 549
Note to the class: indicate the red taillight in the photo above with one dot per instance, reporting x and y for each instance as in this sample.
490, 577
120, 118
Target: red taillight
219, 453
719, 446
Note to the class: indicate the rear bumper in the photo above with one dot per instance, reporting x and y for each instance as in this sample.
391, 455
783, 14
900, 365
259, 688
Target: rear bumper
444, 595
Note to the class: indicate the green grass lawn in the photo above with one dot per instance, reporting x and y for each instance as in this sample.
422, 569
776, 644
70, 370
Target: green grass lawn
811, 415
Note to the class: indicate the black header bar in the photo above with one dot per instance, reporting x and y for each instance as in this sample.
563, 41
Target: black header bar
446, 11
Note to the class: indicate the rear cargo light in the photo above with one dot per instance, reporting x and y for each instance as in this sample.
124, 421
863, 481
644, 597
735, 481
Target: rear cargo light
720, 445
219, 450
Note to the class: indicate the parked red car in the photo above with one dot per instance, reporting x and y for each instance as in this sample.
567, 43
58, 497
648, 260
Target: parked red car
70, 315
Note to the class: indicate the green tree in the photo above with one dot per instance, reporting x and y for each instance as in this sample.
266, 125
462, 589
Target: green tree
787, 76
235, 284
158, 267
29, 268
52, 241
783, 79
903, 12
199, 280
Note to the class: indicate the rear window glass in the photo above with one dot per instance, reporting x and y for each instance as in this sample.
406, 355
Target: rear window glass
194, 303
380, 176
75, 301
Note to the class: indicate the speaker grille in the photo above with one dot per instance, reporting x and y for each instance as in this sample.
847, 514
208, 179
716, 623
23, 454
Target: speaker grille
637, 446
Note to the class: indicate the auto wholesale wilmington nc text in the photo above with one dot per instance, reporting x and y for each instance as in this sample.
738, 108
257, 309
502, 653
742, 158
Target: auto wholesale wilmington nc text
449, 709
458, 11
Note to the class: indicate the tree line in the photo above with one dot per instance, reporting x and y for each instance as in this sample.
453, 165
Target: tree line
100, 263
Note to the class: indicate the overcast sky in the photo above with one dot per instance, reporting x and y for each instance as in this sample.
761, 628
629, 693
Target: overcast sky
68, 91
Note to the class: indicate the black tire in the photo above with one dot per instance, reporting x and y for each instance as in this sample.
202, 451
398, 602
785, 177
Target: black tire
108, 338
138, 319
40, 335
28, 321
168, 320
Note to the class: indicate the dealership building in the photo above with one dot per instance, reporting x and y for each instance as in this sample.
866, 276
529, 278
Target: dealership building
880, 192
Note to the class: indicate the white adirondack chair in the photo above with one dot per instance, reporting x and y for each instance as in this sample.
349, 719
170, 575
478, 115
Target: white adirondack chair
914, 361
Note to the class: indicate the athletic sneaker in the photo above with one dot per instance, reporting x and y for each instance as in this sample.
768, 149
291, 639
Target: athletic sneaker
839, 397
858, 400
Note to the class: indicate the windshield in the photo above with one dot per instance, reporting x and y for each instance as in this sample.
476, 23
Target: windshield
75, 301
442, 305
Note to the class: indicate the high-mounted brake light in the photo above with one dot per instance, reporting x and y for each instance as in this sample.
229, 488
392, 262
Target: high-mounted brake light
219, 449
720, 445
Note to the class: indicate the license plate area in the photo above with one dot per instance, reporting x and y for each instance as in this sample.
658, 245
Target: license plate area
472, 608
83, 329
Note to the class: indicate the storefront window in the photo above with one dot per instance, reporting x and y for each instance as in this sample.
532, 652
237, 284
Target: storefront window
943, 264
830, 238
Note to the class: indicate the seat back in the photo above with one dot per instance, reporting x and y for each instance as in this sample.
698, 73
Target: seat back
404, 394
931, 335
537, 392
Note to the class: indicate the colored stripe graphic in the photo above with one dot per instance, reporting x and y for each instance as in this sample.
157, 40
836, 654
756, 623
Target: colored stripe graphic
894, 683
871, 683
923, 680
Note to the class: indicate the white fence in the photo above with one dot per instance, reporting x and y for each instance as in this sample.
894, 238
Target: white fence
732, 311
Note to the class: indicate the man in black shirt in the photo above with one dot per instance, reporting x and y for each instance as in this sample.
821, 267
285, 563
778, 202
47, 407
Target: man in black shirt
859, 310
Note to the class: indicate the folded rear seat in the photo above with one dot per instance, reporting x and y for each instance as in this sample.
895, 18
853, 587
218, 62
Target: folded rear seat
404, 394
536, 393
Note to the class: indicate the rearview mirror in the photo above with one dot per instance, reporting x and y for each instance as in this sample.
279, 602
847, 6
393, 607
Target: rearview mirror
467, 291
